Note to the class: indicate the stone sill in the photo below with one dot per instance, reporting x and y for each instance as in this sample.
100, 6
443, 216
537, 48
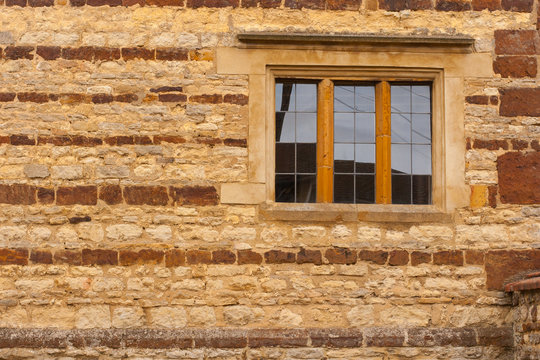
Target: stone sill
531, 282
351, 212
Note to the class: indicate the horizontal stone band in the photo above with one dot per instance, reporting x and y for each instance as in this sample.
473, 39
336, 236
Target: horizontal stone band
255, 338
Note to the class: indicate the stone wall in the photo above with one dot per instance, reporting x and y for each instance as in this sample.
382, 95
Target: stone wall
117, 134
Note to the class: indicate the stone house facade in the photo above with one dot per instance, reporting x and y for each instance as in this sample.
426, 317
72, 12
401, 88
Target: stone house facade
138, 181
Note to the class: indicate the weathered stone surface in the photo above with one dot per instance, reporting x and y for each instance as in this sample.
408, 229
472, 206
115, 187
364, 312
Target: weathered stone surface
501, 265
519, 182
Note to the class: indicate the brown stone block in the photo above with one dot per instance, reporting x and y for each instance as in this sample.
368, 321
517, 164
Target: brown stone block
175, 257
142, 140
79, 219
194, 195
173, 139
492, 336
474, 257
248, 257
418, 257
306, 4
491, 5
518, 5
82, 195
138, 53
55, 140
72, 98
309, 257
351, 5
494, 100
33, 97
176, 98
71, 257
477, 99
277, 338
535, 144
492, 195
516, 42
384, 337
208, 141
220, 338
106, 54
104, 2
5, 140
133, 2
79, 53
279, 257
490, 144
45, 196
119, 140
22, 140
17, 194
99, 257
79, 140
7, 97
145, 256
515, 66
449, 257
520, 102
223, 257
146, 195
519, 144
207, 98
102, 98
378, 257
452, 5
41, 257
77, 3
195, 257
172, 54
40, 3
13, 257
194, 4
336, 338
235, 142
165, 89
19, 52
340, 256
162, 3
126, 98
49, 52
21, 3
398, 258
399, 5
428, 337
237, 99
519, 182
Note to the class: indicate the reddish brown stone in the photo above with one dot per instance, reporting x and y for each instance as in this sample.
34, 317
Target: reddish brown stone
309, 256
336, 338
520, 102
516, 42
104, 2
277, 337
158, 139
4, 140
133, 2
165, 3
166, 89
77, 2
501, 265
398, 5
477, 99
515, 66
518, 5
172, 54
491, 5
81, 195
13, 257
41, 257
494, 100
490, 336
194, 195
492, 195
49, 52
172, 98
340, 256
352, 5
79, 219
450, 257
145, 256
452, 5
22, 140
138, 53
384, 337
21, 3
119, 140
490, 144
418, 257
80, 53
45, 196
428, 337
305, 4
194, 4
71, 257
474, 257
249, 257
519, 144
378, 257
7, 97
235, 142
126, 98
398, 258
142, 140
146, 195
175, 257
279, 257
223, 257
535, 144
519, 182
99, 257
106, 54
55, 140
195, 257
18, 52
208, 141
33, 97
207, 99
17, 194
102, 98
85, 141
238, 99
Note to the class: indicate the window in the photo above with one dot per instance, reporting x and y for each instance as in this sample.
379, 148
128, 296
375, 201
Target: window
360, 142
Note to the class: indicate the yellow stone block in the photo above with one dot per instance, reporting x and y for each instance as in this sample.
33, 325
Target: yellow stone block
478, 196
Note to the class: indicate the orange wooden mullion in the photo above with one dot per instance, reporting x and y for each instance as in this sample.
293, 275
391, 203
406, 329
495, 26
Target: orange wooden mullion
383, 160
325, 142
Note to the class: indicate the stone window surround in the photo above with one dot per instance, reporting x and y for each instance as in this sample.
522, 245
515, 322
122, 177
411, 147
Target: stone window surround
446, 61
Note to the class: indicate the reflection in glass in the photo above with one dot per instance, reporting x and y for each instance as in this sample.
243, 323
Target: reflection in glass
364, 99
364, 158
344, 189
364, 127
421, 99
344, 98
421, 128
365, 189
343, 127
306, 97
401, 128
306, 189
401, 189
285, 188
285, 158
343, 158
421, 159
421, 189
285, 127
401, 159
306, 158
306, 127
400, 98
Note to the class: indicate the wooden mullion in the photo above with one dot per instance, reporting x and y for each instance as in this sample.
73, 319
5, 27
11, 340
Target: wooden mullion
383, 161
325, 141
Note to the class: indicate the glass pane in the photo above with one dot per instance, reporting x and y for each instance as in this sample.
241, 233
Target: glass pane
421, 159
365, 189
421, 189
343, 158
401, 98
421, 99
344, 98
285, 188
401, 159
401, 189
365, 98
284, 158
421, 128
401, 128
306, 97
306, 127
285, 127
306, 190
365, 158
284, 96
306, 158
343, 127
365, 128
344, 189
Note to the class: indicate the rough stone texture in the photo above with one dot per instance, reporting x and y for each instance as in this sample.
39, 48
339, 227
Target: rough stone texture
516, 168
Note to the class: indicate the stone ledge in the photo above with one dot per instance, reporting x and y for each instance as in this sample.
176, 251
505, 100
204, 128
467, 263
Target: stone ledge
531, 282
255, 338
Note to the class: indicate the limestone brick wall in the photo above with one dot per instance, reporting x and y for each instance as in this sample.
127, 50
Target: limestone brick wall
117, 133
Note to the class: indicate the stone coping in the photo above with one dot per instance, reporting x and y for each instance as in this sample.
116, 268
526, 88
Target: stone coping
531, 282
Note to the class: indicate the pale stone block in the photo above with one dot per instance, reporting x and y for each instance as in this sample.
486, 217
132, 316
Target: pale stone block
369, 234
168, 317
11, 171
237, 193
90, 231
188, 284
53, 316
99, 89
123, 232
238, 315
203, 316
341, 232
160, 233
405, 316
287, 318
302, 283
430, 233
6, 38
66, 235
107, 284
36, 286
127, 317
445, 284
308, 232
274, 235
14, 317
111, 172
272, 285
362, 315
67, 172
305, 354
94, 316
63, 39
148, 171
36, 171
186, 40
162, 40
12, 235
231, 233
242, 283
